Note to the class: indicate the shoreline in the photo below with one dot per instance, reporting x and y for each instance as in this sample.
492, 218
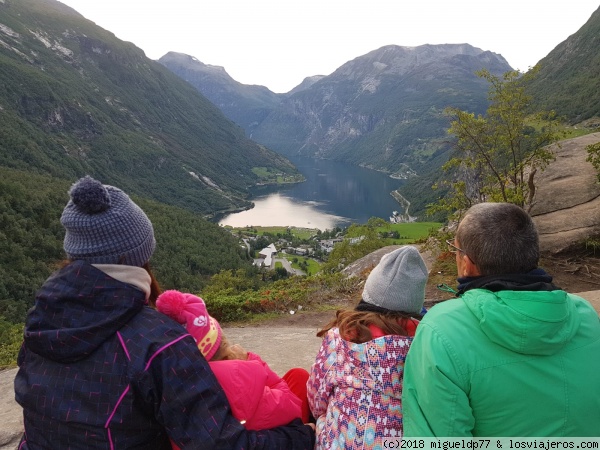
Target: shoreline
403, 201
219, 215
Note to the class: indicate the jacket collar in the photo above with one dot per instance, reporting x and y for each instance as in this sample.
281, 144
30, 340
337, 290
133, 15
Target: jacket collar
138, 277
534, 280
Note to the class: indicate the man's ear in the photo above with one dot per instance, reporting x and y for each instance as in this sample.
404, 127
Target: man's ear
469, 267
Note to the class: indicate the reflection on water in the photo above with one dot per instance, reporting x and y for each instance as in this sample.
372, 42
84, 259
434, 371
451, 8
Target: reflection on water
278, 210
334, 194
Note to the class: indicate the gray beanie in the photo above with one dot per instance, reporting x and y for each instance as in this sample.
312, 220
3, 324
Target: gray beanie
397, 283
105, 227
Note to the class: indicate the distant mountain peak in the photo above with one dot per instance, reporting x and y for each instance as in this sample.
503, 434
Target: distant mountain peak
396, 59
382, 110
183, 58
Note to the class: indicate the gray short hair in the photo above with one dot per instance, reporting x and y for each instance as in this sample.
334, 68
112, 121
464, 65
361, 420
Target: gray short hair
499, 238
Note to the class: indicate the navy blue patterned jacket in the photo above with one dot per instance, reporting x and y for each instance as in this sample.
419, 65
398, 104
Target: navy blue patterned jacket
100, 370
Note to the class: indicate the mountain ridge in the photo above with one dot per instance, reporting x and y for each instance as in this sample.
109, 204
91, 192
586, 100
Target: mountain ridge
382, 110
77, 101
567, 80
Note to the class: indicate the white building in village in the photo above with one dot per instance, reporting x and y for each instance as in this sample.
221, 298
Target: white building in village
265, 256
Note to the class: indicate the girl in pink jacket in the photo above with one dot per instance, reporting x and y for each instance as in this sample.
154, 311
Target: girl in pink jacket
259, 398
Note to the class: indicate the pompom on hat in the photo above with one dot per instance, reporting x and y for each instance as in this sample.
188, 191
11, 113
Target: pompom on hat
397, 283
190, 311
103, 226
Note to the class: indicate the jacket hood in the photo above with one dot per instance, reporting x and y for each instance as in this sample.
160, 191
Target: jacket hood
76, 310
526, 322
384, 352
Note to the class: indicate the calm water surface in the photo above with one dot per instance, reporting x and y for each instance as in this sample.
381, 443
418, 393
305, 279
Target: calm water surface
334, 194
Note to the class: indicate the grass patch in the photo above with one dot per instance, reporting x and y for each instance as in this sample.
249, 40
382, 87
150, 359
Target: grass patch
443, 274
270, 175
593, 244
409, 232
569, 131
414, 230
300, 233
313, 267
303, 233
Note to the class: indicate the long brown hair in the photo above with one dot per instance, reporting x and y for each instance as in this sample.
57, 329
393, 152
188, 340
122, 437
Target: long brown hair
223, 352
354, 325
155, 289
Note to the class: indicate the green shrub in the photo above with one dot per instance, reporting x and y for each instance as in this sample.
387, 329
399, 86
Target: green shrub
316, 292
11, 338
593, 244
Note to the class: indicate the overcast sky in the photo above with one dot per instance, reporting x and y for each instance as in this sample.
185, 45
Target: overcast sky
277, 43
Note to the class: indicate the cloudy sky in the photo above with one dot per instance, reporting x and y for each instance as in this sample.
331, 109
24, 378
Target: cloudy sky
277, 43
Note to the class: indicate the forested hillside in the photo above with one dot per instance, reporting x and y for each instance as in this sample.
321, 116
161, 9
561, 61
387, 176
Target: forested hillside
568, 80
75, 100
189, 249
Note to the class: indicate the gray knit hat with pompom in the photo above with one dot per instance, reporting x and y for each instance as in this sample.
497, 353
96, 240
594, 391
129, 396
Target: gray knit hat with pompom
397, 283
105, 227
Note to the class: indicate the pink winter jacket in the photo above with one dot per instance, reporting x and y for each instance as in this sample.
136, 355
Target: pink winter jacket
257, 395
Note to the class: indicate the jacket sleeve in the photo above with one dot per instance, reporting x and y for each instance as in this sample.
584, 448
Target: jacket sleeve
256, 394
434, 393
278, 403
320, 384
189, 402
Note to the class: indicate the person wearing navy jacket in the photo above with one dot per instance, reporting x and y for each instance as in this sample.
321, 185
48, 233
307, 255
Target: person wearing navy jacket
100, 369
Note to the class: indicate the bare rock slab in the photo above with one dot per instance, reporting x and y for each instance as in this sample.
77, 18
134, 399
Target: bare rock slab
567, 202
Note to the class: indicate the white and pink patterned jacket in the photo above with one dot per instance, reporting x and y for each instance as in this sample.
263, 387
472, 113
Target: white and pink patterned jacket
355, 390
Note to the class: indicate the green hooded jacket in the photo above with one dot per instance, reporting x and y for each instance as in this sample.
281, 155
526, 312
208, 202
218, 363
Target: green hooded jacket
507, 363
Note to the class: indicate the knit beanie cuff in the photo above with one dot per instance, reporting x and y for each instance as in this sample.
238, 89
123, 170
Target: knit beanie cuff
369, 307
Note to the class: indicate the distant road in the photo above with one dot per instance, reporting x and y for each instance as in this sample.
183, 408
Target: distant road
288, 266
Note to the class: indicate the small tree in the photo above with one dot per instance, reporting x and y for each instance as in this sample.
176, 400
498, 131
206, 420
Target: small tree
593, 151
498, 155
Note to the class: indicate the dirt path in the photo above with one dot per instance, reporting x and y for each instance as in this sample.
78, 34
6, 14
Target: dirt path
282, 347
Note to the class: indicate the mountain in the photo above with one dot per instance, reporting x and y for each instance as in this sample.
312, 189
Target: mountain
76, 100
568, 80
382, 110
306, 83
244, 104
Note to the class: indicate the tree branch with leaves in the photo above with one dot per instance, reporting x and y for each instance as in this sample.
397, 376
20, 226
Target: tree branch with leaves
593, 157
497, 155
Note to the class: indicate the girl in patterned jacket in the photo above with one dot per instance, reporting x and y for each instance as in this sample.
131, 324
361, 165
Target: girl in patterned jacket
355, 384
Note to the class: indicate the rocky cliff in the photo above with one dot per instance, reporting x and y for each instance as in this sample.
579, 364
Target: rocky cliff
567, 202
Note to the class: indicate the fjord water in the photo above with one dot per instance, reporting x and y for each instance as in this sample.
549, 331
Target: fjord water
334, 194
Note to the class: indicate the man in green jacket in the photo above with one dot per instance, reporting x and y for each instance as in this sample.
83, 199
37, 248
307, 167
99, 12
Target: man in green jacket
513, 355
